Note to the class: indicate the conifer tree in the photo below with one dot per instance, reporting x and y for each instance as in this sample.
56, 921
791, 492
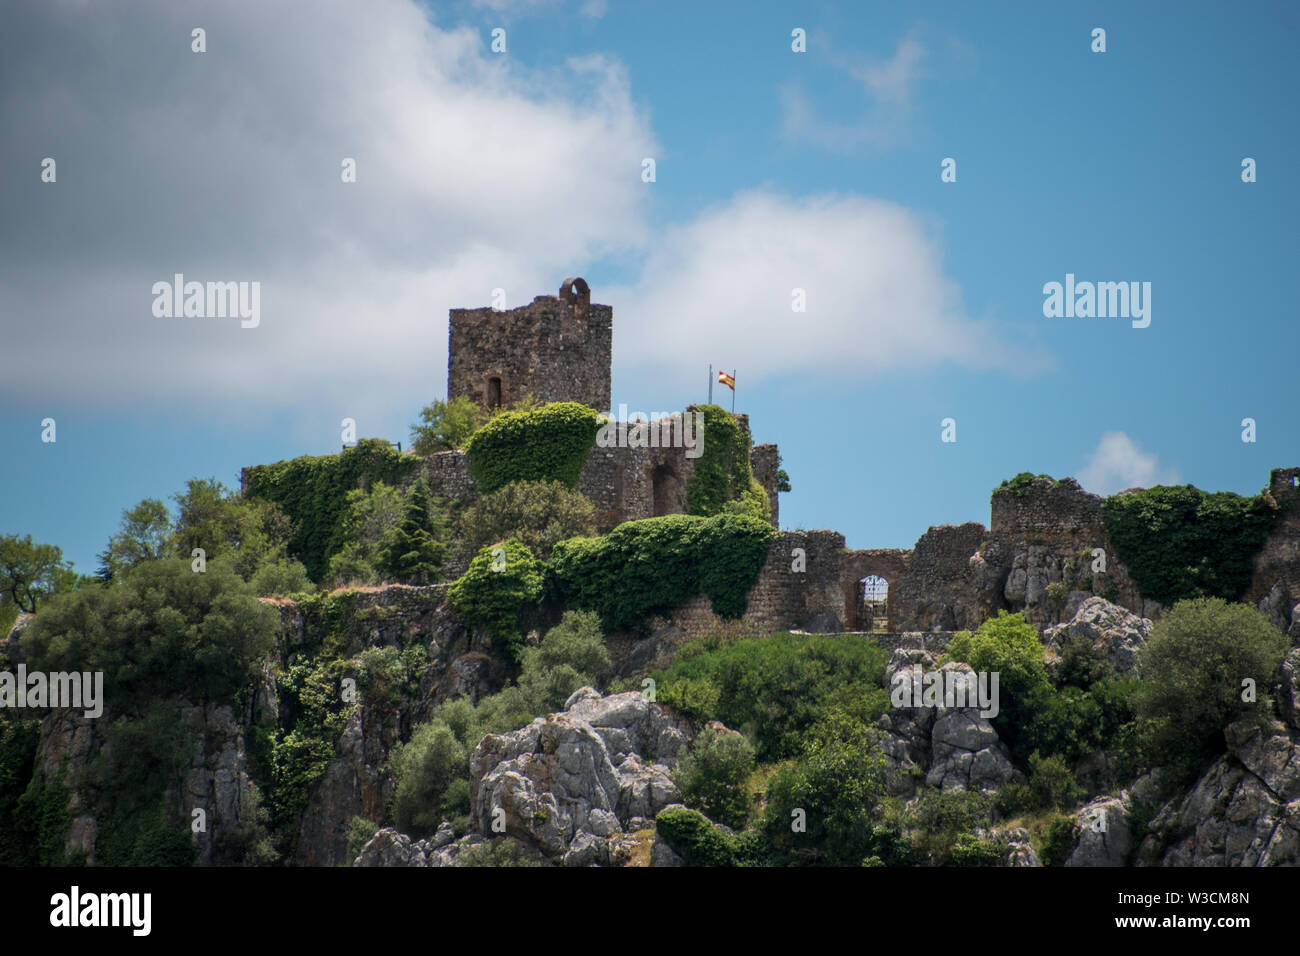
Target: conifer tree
413, 554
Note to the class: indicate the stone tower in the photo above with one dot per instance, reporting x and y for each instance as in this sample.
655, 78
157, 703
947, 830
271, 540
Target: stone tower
557, 349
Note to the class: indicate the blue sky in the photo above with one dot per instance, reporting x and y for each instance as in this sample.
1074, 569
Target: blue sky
774, 169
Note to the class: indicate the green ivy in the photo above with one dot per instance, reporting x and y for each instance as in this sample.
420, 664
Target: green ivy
722, 472
549, 443
313, 490
1180, 542
312, 714
502, 582
651, 566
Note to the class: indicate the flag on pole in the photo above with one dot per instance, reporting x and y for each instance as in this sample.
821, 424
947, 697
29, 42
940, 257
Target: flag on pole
727, 380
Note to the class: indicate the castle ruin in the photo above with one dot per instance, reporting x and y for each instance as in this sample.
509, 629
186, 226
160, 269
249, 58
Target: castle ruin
560, 349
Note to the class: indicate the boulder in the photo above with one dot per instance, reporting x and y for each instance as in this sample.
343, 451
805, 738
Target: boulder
1115, 633
946, 747
573, 783
1104, 837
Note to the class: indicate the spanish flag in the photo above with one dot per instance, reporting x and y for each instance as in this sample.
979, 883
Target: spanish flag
727, 380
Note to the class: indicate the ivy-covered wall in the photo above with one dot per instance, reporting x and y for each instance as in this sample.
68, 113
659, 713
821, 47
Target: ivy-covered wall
651, 566
312, 491
1181, 542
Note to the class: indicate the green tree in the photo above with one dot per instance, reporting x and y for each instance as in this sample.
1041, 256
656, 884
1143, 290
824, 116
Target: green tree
373, 515
145, 535
837, 783
31, 572
162, 629
712, 776
244, 532
1192, 668
569, 656
424, 768
1010, 647
445, 425
413, 553
538, 513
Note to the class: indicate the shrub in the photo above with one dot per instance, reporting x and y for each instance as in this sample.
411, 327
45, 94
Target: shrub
1058, 843
651, 566
838, 783
550, 443
1051, 785
970, 850
1009, 646
372, 515
1057, 593
775, 688
1192, 667
445, 425
538, 513
940, 817
18, 740
159, 630
500, 852
1021, 483
712, 776
281, 578
1179, 542
692, 837
569, 656
502, 581
424, 769
360, 832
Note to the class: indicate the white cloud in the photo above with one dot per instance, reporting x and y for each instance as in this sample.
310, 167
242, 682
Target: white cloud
720, 289
890, 86
1118, 463
473, 173
892, 80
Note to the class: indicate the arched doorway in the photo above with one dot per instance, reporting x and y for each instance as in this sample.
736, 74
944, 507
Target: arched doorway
493, 393
874, 613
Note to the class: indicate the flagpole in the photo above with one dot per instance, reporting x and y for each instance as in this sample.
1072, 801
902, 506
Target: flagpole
710, 384
733, 391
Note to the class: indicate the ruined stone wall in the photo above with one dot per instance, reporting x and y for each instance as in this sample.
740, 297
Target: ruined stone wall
937, 592
557, 349
782, 598
1060, 512
765, 460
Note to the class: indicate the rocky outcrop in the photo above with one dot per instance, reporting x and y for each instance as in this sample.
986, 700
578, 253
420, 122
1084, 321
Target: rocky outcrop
1244, 811
945, 747
1103, 835
574, 783
1114, 632
390, 848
